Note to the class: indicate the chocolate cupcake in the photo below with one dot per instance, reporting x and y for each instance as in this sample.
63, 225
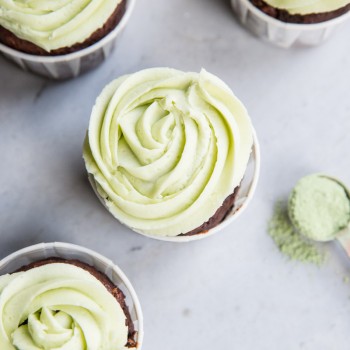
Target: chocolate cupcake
43, 32
57, 28
166, 151
305, 12
55, 303
292, 23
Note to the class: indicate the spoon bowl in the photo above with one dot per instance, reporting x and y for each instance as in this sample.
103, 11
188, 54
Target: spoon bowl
319, 208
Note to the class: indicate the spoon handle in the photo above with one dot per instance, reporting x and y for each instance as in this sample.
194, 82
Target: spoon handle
344, 239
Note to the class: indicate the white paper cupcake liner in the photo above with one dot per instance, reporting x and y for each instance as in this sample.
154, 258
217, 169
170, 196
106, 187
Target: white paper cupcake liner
283, 34
73, 64
70, 251
243, 198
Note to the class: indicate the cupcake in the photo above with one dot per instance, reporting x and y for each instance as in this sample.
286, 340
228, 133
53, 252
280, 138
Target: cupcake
306, 12
166, 151
64, 37
289, 23
57, 301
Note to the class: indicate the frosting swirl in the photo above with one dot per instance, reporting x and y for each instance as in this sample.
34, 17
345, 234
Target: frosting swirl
305, 7
59, 306
55, 24
165, 148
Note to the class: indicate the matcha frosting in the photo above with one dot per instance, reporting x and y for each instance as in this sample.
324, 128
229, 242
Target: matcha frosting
305, 7
55, 24
165, 148
59, 307
319, 207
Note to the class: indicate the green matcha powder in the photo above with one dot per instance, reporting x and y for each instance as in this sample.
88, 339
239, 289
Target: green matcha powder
289, 241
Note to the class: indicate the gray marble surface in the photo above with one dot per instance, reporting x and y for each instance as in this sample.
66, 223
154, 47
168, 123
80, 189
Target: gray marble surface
233, 290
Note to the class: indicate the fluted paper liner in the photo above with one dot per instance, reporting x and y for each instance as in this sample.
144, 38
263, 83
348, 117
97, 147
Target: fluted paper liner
284, 34
73, 64
70, 251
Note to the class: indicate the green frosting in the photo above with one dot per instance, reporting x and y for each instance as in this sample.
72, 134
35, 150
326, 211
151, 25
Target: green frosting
59, 307
305, 7
319, 207
55, 24
290, 242
165, 148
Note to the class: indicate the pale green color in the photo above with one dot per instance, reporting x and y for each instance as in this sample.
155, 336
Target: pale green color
305, 7
59, 307
289, 241
165, 148
54, 24
319, 207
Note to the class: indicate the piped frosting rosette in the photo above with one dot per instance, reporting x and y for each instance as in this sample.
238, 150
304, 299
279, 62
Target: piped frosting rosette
305, 7
55, 24
59, 306
165, 148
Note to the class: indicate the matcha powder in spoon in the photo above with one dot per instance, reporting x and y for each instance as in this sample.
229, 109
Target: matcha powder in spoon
319, 207
318, 210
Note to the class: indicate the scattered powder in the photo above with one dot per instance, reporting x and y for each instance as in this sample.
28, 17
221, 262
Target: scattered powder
289, 241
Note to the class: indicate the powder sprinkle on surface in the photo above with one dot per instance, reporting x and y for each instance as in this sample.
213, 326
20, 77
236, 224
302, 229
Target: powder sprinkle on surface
289, 241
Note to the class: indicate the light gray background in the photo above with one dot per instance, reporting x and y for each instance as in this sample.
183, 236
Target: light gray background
230, 291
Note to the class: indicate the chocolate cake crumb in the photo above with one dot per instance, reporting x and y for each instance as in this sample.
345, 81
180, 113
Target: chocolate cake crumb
218, 217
